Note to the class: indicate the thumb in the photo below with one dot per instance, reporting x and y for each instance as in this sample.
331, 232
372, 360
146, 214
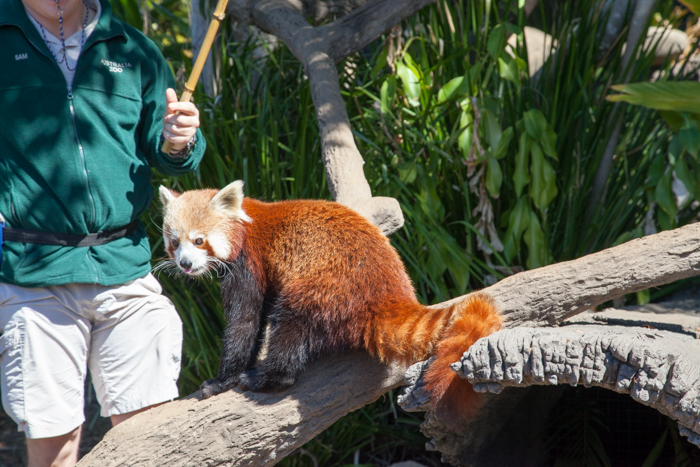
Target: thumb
170, 96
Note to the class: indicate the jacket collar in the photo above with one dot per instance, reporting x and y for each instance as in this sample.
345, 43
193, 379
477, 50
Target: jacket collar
107, 27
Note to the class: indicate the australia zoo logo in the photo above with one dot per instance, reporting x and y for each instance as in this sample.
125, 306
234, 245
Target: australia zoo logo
115, 67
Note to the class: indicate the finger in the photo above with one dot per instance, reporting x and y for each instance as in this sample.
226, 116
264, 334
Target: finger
187, 108
182, 120
170, 95
177, 140
176, 130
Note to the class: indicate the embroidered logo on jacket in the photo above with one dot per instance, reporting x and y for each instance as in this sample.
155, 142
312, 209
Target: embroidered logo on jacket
116, 67
23, 56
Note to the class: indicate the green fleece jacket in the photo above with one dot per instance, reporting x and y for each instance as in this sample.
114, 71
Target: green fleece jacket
78, 160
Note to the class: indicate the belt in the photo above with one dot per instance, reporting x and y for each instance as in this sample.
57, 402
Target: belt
64, 239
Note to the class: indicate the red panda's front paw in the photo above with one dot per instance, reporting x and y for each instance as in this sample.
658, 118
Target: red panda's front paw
212, 387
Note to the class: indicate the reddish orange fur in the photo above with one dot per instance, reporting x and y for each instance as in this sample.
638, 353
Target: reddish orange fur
339, 273
453, 398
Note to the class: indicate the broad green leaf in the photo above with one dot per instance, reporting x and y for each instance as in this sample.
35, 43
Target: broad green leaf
408, 171
681, 96
494, 176
537, 183
518, 220
549, 142
410, 82
535, 124
508, 70
656, 170
693, 5
465, 137
536, 245
550, 184
455, 88
683, 173
690, 137
502, 148
435, 263
412, 65
521, 177
497, 41
664, 196
387, 93
493, 129
672, 118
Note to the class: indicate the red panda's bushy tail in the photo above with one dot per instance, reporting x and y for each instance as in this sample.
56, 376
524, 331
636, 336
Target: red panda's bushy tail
453, 398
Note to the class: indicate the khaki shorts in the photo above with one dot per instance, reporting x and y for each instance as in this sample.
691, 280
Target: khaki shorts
129, 336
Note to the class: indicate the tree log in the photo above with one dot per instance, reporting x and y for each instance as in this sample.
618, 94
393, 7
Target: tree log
259, 429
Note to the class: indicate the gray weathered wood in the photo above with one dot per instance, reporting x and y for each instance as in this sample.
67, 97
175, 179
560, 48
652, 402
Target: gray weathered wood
245, 429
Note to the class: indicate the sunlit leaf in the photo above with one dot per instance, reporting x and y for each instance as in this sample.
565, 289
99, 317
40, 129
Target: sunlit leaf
508, 69
410, 83
693, 5
455, 88
387, 93
681, 96
408, 171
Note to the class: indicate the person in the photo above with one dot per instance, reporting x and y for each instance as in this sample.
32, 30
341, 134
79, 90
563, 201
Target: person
87, 101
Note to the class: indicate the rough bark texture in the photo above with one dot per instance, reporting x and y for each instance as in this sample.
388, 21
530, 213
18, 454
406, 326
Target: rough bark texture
246, 429
254, 429
657, 368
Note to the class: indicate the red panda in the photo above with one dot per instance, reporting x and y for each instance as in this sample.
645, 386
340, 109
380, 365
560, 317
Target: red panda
325, 279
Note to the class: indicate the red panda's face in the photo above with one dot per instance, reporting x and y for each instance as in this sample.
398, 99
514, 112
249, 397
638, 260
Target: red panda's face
200, 227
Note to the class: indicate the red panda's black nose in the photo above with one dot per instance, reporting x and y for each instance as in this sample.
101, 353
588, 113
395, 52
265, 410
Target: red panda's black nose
185, 264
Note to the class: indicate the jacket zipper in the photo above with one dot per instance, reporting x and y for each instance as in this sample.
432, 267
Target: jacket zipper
85, 171
82, 154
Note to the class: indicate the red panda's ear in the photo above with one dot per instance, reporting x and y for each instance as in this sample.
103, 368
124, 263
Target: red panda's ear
230, 200
167, 195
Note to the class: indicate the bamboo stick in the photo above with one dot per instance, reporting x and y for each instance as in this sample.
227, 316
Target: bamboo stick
219, 14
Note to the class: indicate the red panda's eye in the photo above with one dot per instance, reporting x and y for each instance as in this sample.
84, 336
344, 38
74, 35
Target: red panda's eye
198, 241
174, 243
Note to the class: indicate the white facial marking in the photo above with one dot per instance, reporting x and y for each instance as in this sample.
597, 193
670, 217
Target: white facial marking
190, 259
220, 244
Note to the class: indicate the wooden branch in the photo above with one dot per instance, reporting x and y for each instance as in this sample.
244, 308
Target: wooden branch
341, 158
351, 33
246, 429
259, 429
548, 295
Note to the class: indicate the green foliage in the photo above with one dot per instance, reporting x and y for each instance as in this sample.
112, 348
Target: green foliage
493, 169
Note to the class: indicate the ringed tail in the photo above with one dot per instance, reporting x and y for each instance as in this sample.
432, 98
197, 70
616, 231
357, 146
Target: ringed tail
453, 398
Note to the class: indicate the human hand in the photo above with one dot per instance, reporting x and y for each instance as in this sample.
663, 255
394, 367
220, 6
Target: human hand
180, 121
